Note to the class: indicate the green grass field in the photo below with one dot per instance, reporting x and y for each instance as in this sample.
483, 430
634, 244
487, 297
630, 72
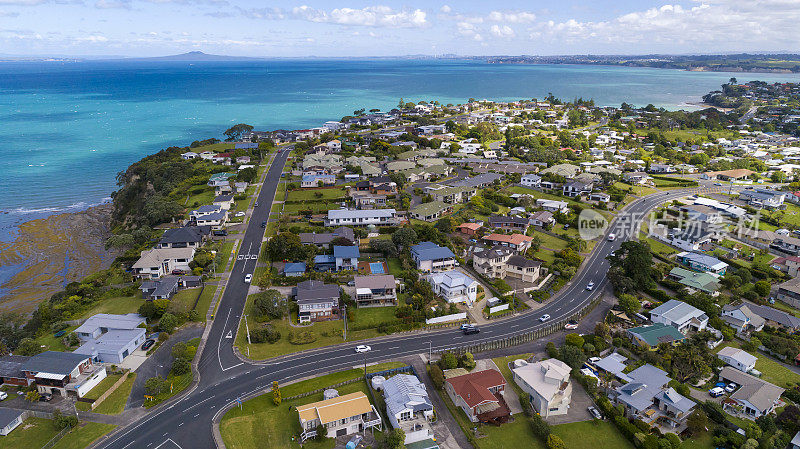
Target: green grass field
311, 194
591, 435
83, 435
261, 424
315, 207
205, 300
373, 315
223, 255
117, 305
114, 404
98, 391
36, 432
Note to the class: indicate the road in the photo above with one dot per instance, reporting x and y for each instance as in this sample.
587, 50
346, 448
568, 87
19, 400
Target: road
187, 423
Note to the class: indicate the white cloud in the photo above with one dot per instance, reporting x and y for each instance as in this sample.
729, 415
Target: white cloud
503, 31
511, 16
446, 9
373, 16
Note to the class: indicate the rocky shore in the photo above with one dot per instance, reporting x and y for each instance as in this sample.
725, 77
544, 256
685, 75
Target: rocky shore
53, 251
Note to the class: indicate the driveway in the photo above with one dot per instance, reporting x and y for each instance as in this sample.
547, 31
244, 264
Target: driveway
159, 363
578, 407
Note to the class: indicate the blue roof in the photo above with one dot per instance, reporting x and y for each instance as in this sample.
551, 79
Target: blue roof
324, 258
313, 177
346, 252
431, 251
295, 267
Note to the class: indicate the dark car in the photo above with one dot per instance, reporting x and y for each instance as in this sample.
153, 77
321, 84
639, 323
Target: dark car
45, 397
469, 330
148, 344
220, 232
263, 224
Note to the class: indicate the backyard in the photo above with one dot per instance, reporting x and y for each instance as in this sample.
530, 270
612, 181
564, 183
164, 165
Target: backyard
36, 432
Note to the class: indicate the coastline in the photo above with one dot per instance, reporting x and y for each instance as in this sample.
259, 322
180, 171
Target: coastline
47, 253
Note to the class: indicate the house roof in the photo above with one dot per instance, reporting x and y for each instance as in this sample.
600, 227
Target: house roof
346, 252
692, 279
8, 415
452, 279
743, 314
109, 321
760, 393
11, 366
519, 261
371, 213
614, 364
403, 392
547, 377
154, 257
434, 207
780, 317
54, 362
475, 181
494, 252
657, 333
110, 342
703, 259
431, 251
503, 219
185, 234
542, 215
473, 388
678, 312
334, 409
470, 226
739, 355
513, 239
375, 281
673, 398
646, 382
295, 267
313, 289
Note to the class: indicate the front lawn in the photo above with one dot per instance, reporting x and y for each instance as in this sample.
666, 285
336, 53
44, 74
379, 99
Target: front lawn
114, 404
118, 305
316, 194
373, 316
591, 435
771, 370
33, 433
83, 435
98, 391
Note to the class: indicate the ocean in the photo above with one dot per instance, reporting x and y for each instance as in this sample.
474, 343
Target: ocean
67, 128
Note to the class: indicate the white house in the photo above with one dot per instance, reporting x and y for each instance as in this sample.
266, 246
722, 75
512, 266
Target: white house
737, 358
680, 315
159, 262
408, 407
377, 217
547, 384
454, 287
10, 419
531, 180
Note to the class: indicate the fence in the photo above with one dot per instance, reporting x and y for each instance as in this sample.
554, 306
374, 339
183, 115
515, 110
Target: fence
445, 318
56, 438
514, 340
320, 390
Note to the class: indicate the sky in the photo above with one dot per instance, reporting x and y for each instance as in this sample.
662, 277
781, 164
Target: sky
395, 28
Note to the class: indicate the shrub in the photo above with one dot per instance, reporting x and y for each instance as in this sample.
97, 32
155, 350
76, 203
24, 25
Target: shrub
63, 421
437, 377
448, 361
540, 427
302, 337
180, 366
555, 442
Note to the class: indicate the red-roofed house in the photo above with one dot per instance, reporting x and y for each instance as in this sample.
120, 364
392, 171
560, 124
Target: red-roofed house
518, 242
469, 228
480, 395
789, 265
793, 197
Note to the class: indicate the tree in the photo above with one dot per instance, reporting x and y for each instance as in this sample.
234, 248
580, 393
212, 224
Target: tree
572, 356
404, 237
762, 288
629, 303
154, 386
270, 303
236, 131
467, 361
27, 346
448, 361
394, 439
180, 366
276, 393
444, 225
322, 433
437, 377
540, 427
697, 421
62, 421
33, 396
168, 323
285, 246
247, 174
555, 442
574, 339
633, 260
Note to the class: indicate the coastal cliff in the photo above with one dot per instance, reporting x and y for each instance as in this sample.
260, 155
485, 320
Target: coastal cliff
52, 252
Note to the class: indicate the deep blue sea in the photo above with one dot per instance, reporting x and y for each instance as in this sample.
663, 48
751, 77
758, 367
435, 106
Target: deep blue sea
66, 129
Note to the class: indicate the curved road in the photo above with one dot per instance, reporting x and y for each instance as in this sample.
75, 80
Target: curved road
187, 423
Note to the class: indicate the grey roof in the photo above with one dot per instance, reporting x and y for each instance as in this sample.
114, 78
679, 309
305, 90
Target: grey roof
405, 391
519, 261
431, 251
646, 382
476, 181
11, 366
54, 362
782, 318
678, 311
760, 393
346, 252
111, 321
315, 290
110, 342
614, 364
165, 286
375, 281
186, 234
671, 397
8, 415
497, 251
502, 219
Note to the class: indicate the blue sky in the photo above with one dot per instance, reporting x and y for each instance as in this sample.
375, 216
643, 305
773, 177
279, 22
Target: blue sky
391, 27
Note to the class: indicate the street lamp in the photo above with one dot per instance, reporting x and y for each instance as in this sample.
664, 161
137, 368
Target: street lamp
430, 352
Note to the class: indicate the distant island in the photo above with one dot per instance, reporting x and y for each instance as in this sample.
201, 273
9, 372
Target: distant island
743, 62
195, 56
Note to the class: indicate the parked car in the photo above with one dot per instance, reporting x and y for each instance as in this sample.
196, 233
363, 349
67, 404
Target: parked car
239, 214
45, 397
263, 224
148, 344
363, 348
571, 324
566, 226
731, 387
220, 232
590, 286
595, 413
469, 330
544, 318
716, 392
247, 278
3, 395
255, 204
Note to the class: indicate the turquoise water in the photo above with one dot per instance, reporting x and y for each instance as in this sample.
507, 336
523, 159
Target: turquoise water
66, 129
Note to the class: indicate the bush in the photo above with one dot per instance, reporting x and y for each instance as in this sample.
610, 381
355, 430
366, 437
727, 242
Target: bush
64, 421
555, 442
467, 361
448, 361
437, 377
302, 337
540, 427
265, 335
180, 366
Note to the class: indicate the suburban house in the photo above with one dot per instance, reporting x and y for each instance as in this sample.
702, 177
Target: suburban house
789, 292
361, 217
184, 237
599, 197
431, 257
576, 188
759, 197
776, 318
317, 301
531, 180
158, 262
691, 240
376, 290
542, 218
63, 373
649, 397
742, 319
702, 262
789, 265
547, 384
695, 281
11, 370
754, 398
509, 223
517, 242
408, 407
480, 395
552, 205
224, 201
294, 269
341, 415
786, 244
346, 257
166, 286
737, 358
10, 419
501, 262
317, 180
637, 178
654, 334
454, 287
431, 211
469, 228
451, 195
323, 240
680, 315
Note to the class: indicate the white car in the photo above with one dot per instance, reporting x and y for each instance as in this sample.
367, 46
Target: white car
544, 318
247, 278
3, 395
240, 214
612, 237
590, 286
731, 387
363, 348
571, 324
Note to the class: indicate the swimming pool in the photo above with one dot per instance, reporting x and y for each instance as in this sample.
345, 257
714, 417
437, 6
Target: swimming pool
376, 268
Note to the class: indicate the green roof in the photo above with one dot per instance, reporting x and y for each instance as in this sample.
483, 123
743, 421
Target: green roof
657, 333
428, 209
699, 281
